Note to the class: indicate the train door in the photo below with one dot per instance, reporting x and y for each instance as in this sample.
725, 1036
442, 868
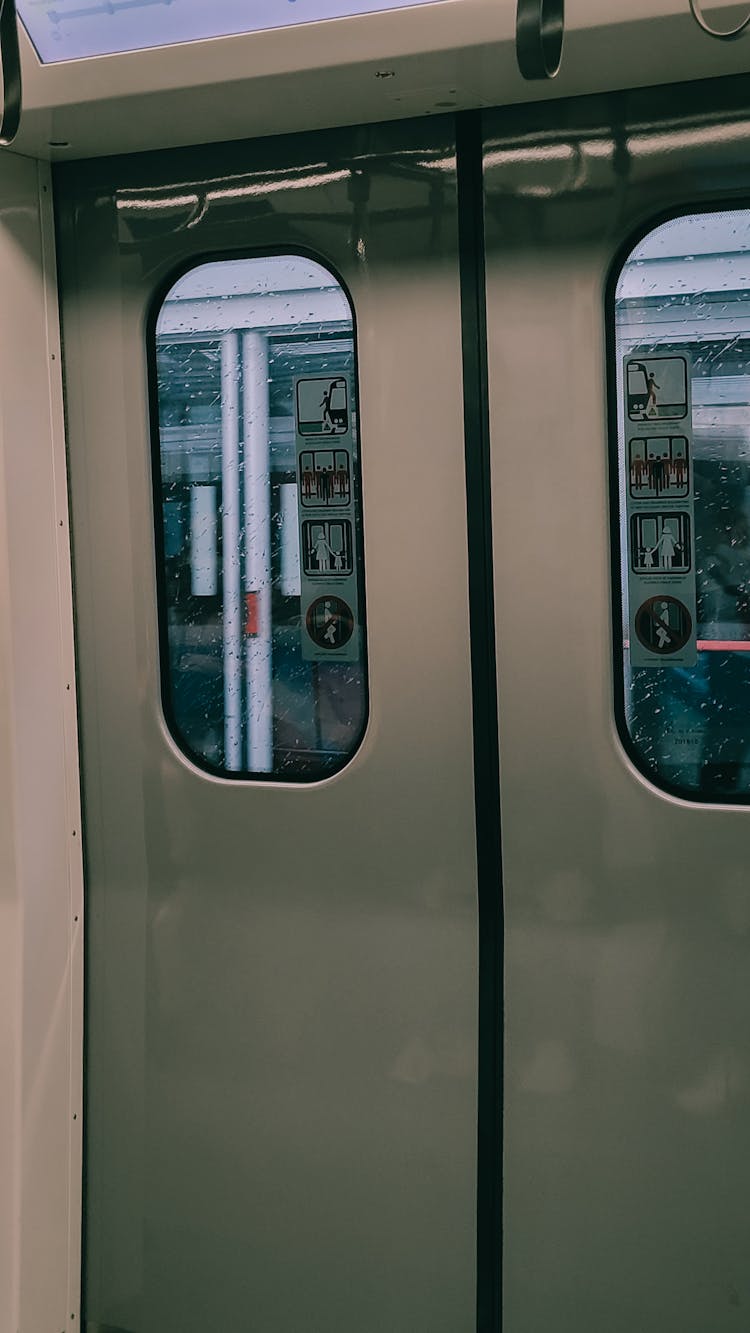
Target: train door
617, 256
263, 361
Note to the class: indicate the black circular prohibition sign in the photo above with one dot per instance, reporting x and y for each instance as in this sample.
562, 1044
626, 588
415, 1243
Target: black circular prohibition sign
648, 621
335, 613
540, 29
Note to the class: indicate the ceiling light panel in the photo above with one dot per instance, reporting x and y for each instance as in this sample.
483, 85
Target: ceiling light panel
75, 29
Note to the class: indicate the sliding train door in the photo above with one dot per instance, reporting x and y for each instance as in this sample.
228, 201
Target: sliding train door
263, 371
618, 266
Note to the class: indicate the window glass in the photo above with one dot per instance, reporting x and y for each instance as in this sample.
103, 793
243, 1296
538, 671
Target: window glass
258, 514
70, 29
682, 314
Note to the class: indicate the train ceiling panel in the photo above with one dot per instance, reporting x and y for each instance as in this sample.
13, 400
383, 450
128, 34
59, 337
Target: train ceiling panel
198, 75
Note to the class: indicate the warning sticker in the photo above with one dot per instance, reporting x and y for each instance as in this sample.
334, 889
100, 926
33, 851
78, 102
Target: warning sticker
329, 622
663, 625
659, 533
660, 542
324, 478
322, 406
327, 519
326, 548
658, 467
657, 388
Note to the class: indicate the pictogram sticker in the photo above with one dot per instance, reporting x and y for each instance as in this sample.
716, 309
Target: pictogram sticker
660, 543
329, 622
325, 444
322, 406
324, 478
659, 467
657, 388
657, 472
327, 548
663, 624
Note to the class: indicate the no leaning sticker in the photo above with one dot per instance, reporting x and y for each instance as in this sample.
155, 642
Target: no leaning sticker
659, 503
663, 625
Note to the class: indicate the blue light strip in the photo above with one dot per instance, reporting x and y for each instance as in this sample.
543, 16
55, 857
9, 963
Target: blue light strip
74, 29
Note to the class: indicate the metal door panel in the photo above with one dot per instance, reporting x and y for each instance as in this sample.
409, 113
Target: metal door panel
626, 1118
281, 1109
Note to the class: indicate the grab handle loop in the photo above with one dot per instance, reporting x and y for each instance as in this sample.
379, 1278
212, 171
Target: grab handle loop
540, 28
701, 20
10, 60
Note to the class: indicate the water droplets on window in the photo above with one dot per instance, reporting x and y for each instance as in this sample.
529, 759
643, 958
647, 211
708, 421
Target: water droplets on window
683, 451
259, 518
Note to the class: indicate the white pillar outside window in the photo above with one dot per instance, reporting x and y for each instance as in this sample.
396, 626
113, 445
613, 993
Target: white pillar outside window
231, 564
257, 573
204, 568
289, 574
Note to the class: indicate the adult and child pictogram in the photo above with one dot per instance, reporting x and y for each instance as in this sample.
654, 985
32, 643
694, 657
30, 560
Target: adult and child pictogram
660, 543
327, 548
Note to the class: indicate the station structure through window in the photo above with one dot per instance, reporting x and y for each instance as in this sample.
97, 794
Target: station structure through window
682, 441
258, 513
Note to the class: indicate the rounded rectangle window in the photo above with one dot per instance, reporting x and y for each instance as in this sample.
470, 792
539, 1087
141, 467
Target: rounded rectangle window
258, 516
680, 386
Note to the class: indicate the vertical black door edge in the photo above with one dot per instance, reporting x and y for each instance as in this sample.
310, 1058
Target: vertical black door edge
485, 720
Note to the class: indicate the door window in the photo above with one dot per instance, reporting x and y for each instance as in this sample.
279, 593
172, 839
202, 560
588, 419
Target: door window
682, 385
258, 518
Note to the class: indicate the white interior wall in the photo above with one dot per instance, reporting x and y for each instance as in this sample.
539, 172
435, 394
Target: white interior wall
10, 967
40, 859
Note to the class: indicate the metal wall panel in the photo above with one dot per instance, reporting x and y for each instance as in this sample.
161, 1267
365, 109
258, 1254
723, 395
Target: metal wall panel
41, 882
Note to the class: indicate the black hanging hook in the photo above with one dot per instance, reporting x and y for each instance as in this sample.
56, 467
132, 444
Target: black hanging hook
10, 60
540, 28
729, 35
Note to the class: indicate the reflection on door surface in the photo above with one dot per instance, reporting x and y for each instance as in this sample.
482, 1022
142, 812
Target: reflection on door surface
282, 973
